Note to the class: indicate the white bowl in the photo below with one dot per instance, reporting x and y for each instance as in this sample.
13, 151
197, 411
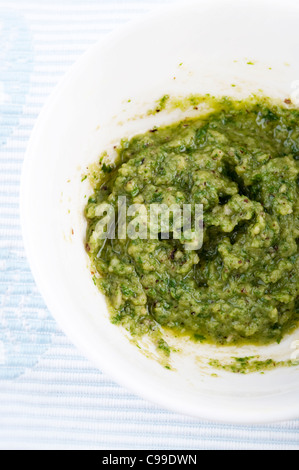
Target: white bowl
214, 41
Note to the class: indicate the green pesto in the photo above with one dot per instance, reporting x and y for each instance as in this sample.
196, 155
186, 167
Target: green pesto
246, 365
241, 162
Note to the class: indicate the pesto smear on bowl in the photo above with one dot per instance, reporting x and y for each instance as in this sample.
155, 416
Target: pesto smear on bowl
240, 161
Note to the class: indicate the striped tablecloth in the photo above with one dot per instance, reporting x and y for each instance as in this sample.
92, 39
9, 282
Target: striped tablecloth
51, 396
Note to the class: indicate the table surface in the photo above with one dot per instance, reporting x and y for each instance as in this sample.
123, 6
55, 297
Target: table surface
51, 396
